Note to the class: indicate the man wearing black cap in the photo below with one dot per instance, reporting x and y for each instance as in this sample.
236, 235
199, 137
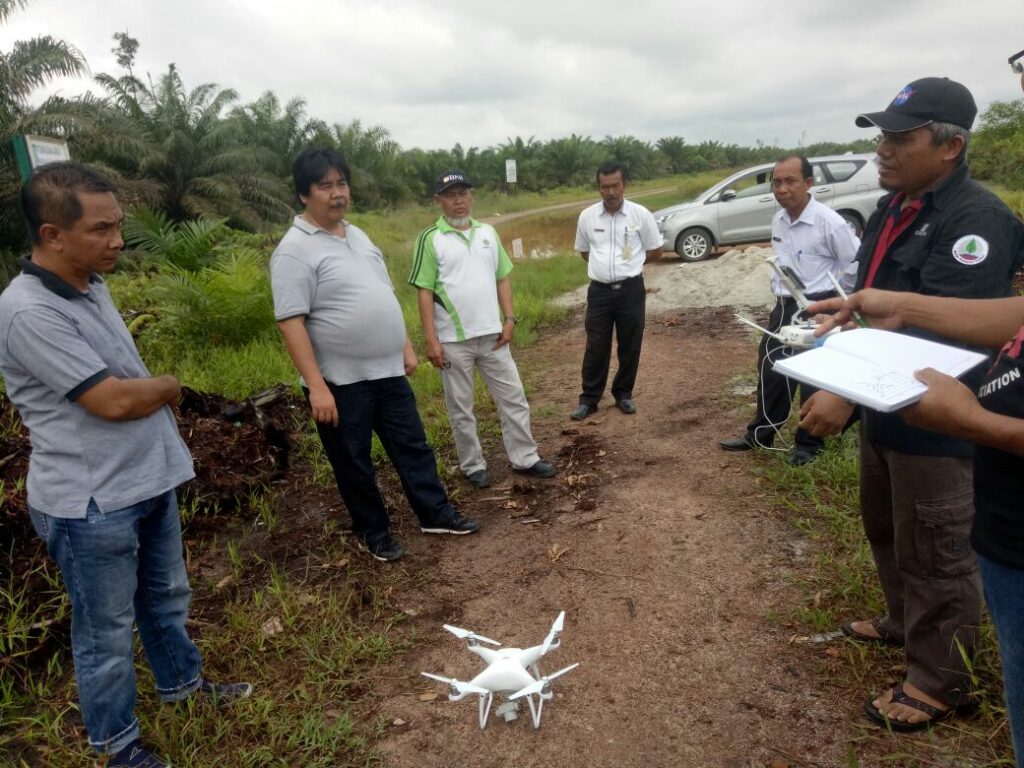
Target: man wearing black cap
939, 233
465, 305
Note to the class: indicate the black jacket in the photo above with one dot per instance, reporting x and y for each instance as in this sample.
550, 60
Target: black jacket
959, 215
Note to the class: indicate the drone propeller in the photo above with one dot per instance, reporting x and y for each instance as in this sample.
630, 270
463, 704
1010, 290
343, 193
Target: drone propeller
460, 687
552, 637
539, 685
465, 634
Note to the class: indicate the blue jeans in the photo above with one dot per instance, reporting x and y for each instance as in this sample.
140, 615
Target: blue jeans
1004, 588
121, 568
387, 407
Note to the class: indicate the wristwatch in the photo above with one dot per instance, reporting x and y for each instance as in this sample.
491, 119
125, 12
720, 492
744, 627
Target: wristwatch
510, 319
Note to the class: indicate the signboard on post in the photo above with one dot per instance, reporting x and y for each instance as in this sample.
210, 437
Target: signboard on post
31, 152
510, 171
517, 248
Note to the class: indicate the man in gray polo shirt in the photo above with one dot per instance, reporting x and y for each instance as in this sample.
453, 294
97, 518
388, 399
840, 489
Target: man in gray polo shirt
343, 328
106, 458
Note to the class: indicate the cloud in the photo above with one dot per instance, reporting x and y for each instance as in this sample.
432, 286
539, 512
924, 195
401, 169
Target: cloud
475, 73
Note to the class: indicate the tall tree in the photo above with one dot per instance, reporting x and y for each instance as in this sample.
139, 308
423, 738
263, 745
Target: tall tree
127, 48
195, 154
280, 131
570, 162
377, 163
636, 155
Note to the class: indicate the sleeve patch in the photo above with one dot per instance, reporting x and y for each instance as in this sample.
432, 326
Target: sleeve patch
970, 250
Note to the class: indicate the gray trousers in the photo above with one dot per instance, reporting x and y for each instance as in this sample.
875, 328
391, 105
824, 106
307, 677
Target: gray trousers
917, 513
499, 372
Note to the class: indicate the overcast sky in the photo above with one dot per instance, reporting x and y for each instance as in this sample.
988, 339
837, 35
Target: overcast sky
479, 72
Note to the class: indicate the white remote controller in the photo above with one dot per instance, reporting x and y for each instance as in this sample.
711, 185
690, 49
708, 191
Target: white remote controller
797, 336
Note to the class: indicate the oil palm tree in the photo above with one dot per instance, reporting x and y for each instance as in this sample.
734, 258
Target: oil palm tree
27, 66
192, 150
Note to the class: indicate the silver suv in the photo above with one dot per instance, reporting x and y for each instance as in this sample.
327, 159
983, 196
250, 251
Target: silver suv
740, 208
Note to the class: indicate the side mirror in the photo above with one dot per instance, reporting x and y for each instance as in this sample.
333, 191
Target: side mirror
729, 194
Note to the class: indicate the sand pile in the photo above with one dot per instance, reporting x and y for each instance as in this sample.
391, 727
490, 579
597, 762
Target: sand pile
736, 278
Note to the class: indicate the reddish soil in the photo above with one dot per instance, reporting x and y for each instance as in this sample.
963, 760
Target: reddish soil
662, 552
672, 566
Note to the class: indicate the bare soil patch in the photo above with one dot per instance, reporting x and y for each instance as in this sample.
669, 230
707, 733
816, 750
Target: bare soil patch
669, 566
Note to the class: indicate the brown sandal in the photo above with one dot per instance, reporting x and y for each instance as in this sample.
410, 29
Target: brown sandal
899, 696
884, 637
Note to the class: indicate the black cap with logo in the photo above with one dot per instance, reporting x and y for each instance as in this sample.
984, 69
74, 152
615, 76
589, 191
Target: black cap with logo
925, 101
449, 179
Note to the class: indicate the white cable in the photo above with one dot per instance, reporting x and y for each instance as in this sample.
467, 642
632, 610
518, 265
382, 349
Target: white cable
790, 390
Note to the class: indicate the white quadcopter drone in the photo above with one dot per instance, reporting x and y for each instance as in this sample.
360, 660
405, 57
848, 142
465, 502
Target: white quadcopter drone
512, 672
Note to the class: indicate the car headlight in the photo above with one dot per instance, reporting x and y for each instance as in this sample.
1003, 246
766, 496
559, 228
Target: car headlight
662, 219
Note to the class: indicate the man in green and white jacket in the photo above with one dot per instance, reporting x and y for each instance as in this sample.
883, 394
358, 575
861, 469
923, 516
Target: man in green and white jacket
465, 305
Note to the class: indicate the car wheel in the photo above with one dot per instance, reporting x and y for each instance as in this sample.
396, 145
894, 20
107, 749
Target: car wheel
693, 244
854, 221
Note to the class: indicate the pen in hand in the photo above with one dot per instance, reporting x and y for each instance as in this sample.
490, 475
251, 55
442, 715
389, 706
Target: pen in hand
842, 294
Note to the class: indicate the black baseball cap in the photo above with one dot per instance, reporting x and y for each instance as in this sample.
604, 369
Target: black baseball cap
449, 179
925, 101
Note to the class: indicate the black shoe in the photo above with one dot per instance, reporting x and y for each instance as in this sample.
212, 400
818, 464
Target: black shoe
800, 456
741, 443
539, 468
581, 411
626, 405
384, 548
136, 756
479, 479
225, 692
456, 525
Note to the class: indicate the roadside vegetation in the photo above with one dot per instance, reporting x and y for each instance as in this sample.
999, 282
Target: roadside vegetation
839, 584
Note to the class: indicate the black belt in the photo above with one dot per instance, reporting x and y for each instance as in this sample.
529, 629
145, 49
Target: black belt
812, 297
616, 285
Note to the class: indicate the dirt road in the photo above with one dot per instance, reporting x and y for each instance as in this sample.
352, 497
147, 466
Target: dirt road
660, 549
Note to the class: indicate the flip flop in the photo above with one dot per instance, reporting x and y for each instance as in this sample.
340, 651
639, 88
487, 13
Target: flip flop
884, 638
899, 696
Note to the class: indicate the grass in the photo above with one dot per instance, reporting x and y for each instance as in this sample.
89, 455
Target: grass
311, 642
820, 500
1012, 197
336, 625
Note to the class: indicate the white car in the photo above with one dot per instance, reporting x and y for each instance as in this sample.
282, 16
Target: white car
739, 209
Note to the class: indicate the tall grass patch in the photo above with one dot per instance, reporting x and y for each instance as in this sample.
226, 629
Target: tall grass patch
821, 500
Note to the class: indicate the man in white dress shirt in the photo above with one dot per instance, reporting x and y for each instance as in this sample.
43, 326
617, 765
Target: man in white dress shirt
615, 237
813, 241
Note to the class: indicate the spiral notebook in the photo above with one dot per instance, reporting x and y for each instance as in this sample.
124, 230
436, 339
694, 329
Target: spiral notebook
875, 368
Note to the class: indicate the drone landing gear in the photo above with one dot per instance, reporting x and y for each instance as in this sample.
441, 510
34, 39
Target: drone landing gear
485, 708
536, 710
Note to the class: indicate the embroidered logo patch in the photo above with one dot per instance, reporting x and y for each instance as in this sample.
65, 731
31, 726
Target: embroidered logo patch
903, 96
970, 249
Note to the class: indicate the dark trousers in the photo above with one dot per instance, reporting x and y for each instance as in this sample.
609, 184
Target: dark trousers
387, 407
774, 391
917, 513
620, 309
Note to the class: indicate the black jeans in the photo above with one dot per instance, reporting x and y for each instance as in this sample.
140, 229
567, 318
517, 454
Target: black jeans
387, 407
622, 310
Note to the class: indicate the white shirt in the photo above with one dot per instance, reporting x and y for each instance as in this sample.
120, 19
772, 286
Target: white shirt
618, 243
820, 241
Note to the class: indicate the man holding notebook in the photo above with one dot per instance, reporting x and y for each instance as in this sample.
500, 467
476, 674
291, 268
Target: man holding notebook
938, 233
817, 245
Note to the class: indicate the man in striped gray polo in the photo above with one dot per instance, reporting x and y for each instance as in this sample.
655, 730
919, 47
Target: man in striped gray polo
465, 304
